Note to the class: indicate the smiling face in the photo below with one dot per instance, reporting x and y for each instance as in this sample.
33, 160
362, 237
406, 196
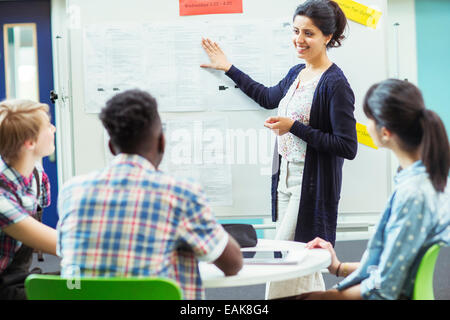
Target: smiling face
309, 41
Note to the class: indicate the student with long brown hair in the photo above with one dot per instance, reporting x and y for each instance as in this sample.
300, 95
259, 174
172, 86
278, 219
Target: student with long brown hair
418, 212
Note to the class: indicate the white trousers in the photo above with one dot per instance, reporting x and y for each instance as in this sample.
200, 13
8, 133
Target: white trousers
288, 202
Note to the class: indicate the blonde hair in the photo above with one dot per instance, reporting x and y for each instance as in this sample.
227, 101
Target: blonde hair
20, 120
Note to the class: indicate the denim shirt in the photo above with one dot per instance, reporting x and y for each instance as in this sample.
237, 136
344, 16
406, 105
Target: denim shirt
416, 217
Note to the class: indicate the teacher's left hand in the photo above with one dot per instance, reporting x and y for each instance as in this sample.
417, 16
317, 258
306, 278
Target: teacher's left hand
279, 125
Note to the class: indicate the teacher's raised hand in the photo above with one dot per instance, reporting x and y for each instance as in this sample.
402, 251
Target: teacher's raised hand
218, 59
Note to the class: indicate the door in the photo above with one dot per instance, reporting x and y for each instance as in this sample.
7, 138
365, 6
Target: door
26, 68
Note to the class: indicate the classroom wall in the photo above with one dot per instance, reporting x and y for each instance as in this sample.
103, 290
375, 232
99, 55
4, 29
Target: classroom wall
399, 11
433, 47
402, 57
402, 47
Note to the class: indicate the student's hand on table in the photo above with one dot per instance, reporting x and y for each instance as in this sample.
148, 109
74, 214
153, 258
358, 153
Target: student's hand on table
322, 244
217, 57
279, 125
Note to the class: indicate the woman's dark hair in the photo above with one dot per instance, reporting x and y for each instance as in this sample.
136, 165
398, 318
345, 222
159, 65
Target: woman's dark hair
327, 16
399, 107
131, 119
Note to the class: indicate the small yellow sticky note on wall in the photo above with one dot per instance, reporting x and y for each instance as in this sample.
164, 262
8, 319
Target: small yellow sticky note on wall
360, 13
364, 136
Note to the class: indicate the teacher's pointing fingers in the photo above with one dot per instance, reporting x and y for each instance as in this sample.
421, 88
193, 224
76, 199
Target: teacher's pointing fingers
217, 57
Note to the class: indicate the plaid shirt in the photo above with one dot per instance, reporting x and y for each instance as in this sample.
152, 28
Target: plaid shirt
131, 220
10, 209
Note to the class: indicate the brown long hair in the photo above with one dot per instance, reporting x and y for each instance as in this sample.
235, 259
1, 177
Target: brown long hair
327, 16
399, 107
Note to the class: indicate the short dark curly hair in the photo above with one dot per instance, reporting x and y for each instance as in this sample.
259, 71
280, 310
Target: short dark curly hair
131, 119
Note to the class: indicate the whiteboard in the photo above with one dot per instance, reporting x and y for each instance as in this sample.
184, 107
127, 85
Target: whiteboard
366, 180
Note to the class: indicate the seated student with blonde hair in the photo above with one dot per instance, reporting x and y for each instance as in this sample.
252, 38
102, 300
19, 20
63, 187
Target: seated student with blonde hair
26, 136
417, 214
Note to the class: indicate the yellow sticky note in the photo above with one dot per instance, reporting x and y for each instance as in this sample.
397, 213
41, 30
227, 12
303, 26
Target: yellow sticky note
360, 13
364, 136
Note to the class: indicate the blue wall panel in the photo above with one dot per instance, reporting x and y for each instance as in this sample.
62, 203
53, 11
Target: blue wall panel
433, 55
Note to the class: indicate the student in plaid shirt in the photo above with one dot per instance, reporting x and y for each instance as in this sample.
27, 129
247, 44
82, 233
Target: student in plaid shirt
26, 136
130, 219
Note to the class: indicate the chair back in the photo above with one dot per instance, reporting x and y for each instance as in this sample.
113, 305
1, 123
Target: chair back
423, 285
49, 287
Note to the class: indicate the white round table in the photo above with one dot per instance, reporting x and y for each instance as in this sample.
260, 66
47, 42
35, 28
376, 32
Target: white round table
309, 261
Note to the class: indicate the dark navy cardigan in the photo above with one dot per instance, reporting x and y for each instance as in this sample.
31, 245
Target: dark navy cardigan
330, 137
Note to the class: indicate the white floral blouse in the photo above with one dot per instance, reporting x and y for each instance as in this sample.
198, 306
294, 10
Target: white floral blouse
296, 104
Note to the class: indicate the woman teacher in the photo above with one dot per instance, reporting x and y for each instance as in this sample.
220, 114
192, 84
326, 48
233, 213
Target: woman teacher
316, 131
